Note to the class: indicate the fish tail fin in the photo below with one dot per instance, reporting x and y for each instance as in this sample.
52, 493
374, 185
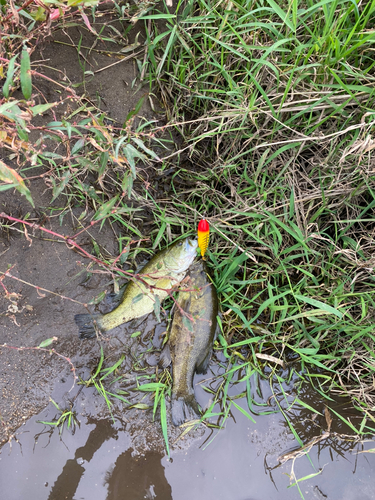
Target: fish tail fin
184, 408
88, 325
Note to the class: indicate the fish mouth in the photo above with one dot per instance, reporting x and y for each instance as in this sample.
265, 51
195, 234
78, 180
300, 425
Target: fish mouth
189, 252
191, 244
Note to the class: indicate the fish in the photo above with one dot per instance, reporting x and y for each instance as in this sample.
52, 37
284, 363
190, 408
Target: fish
190, 342
164, 271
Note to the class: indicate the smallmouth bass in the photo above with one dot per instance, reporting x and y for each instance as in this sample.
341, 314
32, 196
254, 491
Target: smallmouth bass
189, 347
165, 270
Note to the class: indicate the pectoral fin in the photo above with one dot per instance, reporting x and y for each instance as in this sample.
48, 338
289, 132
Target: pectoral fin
202, 367
165, 357
114, 299
88, 325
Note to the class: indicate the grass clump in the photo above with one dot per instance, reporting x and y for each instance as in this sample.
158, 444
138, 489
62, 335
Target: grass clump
251, 72
66, 418
276, 105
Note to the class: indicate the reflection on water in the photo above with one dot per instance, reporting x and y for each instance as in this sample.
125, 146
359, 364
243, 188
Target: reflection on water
138, 478
67, 482
129, 477
106, 460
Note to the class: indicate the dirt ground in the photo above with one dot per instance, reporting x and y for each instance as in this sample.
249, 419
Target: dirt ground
30, 315
93, 69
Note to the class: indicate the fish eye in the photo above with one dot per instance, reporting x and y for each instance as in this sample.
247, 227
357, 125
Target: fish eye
180, 243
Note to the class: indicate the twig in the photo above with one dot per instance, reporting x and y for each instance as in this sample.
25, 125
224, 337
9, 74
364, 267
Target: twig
69, 241
317, 138
118, 62
26, 4
8, 275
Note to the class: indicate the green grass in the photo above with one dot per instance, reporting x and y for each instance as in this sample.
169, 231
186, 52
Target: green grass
66, 418
274, 103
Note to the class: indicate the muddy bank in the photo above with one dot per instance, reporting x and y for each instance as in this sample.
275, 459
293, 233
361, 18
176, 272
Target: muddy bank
101, 459
49, 283
117, 451
29, 315
103, 70
44, 295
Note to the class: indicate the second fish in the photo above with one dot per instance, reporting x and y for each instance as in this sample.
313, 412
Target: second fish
190, 340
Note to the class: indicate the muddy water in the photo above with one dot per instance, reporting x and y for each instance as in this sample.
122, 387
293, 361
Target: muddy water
124, 457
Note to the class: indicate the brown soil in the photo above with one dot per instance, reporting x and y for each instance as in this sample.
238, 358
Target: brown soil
29, 316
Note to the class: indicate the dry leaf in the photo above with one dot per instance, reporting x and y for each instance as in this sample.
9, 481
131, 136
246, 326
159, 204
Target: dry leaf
272, 359
328, 418
28, 237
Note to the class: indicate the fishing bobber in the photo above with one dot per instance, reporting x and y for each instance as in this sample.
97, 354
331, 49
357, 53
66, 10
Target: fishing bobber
203, 236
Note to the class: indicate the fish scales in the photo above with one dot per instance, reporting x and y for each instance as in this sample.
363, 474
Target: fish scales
190, 340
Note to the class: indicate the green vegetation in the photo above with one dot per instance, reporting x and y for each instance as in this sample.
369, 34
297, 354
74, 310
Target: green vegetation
139, 388
67, 417
274, 102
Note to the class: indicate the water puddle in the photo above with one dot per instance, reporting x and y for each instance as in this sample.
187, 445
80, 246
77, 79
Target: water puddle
125, 457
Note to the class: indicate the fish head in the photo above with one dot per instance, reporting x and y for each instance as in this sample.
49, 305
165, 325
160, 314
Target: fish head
181, 254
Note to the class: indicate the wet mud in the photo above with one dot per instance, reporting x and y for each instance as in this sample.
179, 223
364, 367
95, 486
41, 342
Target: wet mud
44, 272
100, 69
119, 452
38, 263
